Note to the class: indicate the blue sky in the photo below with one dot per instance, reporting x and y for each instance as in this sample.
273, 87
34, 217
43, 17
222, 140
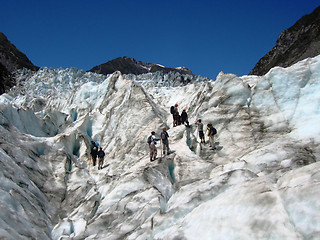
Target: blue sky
205, 36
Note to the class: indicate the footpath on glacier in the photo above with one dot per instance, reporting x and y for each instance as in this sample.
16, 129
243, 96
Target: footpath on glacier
262, 182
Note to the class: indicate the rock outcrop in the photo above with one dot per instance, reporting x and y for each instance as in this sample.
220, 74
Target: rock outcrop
300, 41
11, 59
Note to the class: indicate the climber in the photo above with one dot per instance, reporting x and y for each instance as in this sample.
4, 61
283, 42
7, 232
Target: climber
165, 141
94, 154
152, 145
184, 118
200, 130
101, 155
94, 145
211, 132
175, 115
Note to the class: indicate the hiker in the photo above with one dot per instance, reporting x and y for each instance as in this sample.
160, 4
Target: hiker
94, 151
101, 155
175, 114
211, 132
178, 117
200, 130
94, 154
152, 145
165, 141
184, 118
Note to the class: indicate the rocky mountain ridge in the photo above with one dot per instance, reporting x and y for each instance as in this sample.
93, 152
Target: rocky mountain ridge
127, 65
11, 59
294, 44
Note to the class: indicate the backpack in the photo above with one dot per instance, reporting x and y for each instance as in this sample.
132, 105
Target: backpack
172, 109
149, 140
214, 131
164, 135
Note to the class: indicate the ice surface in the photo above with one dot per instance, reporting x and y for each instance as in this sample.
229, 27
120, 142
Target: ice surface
262, 182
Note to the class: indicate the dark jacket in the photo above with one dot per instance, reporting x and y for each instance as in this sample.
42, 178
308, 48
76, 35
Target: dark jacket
101, 153
164, 136
184, 116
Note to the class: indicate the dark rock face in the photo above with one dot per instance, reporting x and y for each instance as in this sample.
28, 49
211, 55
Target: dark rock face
300, 41
125, 65
6, 81
128, 65
11, 59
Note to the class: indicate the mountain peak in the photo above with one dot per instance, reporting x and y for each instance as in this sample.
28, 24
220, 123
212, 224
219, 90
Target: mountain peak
129, 65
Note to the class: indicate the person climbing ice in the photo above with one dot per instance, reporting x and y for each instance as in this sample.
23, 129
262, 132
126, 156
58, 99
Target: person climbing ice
211, 132
200, 130
152, 146
184, 118
101, 155
94, 154
175, 115
165, 141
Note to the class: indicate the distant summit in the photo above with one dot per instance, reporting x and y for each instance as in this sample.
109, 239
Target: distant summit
11, 59
300, 41
127, 65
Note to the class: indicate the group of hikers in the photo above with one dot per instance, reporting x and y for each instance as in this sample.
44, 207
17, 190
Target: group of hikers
95, 152
211, 132
178, 120
164, 138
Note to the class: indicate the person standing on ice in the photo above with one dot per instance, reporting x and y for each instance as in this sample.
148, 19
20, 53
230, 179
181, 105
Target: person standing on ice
101, 155
172, 112
94, 152
184, 118
175, 114
211, 132
200, 130
165, 141
152, 145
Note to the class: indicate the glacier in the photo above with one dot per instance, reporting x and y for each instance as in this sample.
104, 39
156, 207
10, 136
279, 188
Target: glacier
262, 182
